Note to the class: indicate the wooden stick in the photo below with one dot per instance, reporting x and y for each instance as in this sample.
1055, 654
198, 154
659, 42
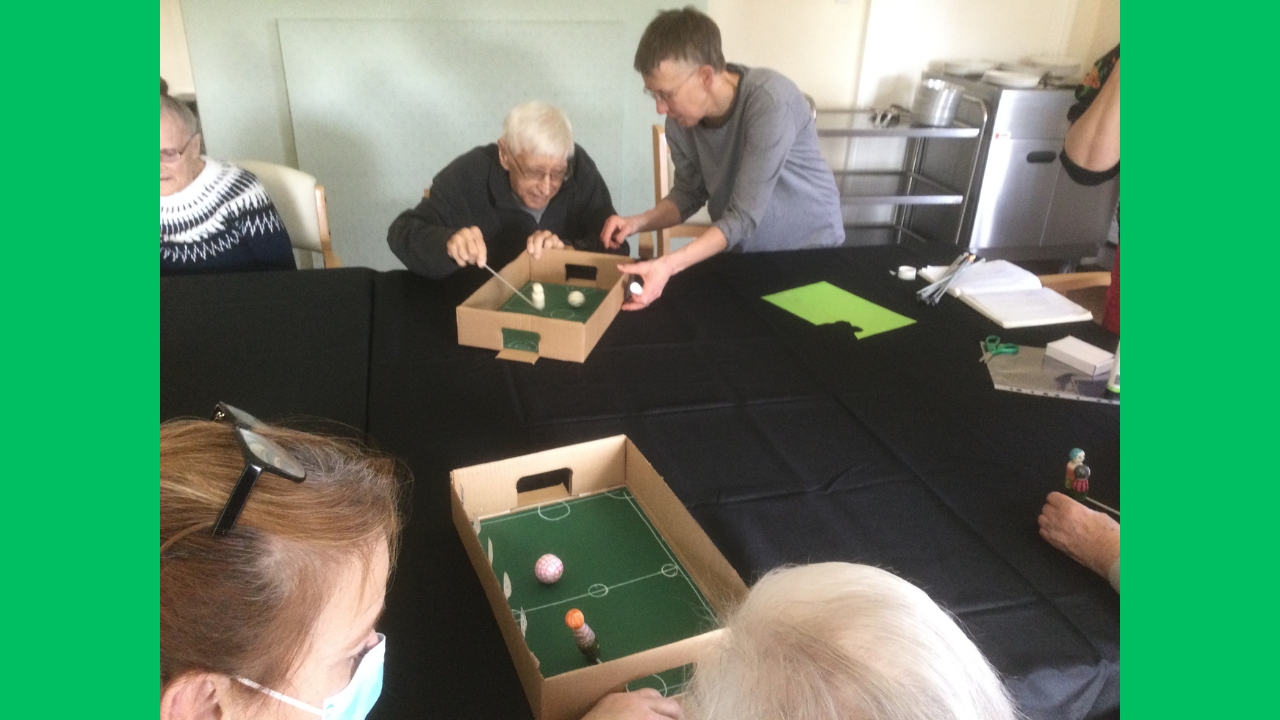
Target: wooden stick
513, 287
1104, 507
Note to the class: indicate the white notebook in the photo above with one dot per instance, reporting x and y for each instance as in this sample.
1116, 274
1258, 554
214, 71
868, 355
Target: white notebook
1010, 296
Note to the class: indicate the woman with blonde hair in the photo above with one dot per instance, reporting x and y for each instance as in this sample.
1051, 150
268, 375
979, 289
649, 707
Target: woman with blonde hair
275, 550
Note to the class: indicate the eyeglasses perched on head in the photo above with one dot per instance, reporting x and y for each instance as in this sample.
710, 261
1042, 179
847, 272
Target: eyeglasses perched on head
260, 455
169, 155
556, 177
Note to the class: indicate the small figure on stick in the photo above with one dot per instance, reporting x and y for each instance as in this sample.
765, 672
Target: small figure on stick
1080, 488
583, 635
1075, 460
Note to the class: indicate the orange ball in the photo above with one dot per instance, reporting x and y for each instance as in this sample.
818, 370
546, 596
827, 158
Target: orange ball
574, 619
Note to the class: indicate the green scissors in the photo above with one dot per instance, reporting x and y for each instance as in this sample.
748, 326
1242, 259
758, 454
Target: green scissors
992, 347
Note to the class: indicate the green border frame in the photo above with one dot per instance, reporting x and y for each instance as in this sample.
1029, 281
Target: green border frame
1198, 194
82, 300
84, 360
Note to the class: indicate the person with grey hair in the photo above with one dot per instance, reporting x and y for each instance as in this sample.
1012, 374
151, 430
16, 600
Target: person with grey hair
832, 641
214, 216
837, 640
531, 190
744, 143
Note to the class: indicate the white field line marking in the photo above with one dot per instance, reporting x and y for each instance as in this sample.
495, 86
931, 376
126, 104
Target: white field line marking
626, 495
567, 511
610, 588
520, 513
697, 593
664, 684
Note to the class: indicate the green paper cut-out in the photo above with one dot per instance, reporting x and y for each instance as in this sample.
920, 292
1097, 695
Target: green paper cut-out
823, 303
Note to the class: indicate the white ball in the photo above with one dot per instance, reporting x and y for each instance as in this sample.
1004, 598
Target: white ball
537, 288
576, 298
548, 569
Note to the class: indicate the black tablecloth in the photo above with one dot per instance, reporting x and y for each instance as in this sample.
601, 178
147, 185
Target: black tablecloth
278, 344
789, 443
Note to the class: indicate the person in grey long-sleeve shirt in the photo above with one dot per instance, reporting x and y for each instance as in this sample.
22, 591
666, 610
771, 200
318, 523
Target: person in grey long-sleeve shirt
744, 143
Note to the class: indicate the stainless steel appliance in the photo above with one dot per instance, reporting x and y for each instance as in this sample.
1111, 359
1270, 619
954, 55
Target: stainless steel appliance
1023, 206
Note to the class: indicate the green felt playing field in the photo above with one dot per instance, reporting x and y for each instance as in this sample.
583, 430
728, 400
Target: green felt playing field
557, 306
618, 571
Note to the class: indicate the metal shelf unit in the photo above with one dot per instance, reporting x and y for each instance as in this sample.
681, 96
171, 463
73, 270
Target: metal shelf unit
907, 187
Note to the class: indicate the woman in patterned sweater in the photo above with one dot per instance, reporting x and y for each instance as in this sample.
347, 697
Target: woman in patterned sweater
214, 217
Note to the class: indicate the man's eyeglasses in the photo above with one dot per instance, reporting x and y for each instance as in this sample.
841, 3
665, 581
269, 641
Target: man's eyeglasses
666, 96
556, 177
260, 455
169, 155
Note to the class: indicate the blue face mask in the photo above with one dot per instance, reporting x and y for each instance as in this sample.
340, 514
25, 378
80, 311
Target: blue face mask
355, 700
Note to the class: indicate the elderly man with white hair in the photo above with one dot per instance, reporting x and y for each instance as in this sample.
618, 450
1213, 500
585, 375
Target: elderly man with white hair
832, 641
837, 641
533, 189
214, 216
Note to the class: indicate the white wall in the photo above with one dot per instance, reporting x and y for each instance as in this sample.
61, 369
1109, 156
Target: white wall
175, 64
379, 106
1096, 30
237, 61
870, 53
903, 36
816, 43
845, 53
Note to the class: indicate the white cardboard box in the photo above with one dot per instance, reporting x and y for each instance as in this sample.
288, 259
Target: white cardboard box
1081, 355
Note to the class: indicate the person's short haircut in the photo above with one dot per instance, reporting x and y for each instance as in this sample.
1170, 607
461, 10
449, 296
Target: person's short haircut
181, 112
536, 128
853, 642
245, 604
682, 35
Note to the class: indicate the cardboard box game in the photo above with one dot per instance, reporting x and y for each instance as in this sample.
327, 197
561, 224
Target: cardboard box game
483, 322
653, 599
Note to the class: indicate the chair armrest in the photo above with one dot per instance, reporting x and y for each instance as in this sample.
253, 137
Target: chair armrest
1066, 282
326, 247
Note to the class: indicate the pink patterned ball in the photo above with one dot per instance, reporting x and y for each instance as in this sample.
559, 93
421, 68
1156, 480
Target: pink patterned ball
548, 569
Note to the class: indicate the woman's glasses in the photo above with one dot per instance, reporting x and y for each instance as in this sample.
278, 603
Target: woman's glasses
170, 155
260, 455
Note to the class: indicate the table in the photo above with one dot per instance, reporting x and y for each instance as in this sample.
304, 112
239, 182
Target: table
789, 443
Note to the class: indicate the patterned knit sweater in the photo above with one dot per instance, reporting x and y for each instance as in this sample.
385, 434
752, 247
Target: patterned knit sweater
222, 222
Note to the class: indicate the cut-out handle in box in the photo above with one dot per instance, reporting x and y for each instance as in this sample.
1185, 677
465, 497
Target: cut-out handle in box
544, 487
519, 345
492, 488
574, 272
